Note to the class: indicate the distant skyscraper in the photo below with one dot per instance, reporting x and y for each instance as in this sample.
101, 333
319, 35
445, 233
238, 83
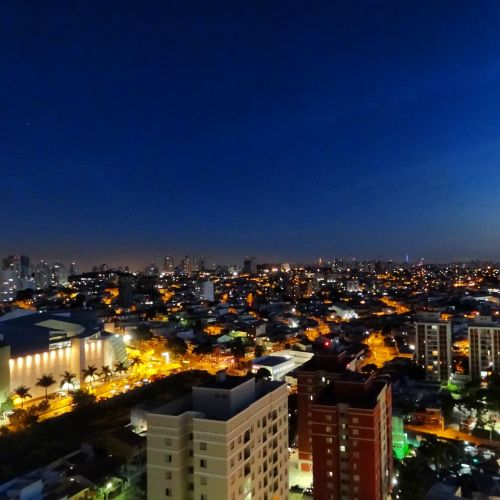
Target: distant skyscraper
151, 270
168, 265
433, 346
9, 285
205, 290
59, 274
201, 263
19, 264
250, 265
187, 265
43, 275
73, 270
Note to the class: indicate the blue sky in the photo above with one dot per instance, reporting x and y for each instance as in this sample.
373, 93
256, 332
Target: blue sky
285, 130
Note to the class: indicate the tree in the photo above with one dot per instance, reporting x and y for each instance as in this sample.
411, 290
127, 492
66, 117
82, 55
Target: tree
143, 332
135, 362
263, 374
259, 351
203, 349
90, 372
176, 346
82, 398
20, 419
46, 381
68, 378
23, 393
238, 350
107, 372
121, 368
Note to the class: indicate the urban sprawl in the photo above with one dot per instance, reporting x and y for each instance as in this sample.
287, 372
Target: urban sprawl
341, 379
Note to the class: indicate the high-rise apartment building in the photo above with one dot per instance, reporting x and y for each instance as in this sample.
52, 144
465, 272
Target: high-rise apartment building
187, 265
204, 290
351, 430
250, 265
9, 285
59, 274
73, 269
312, 377
14, 276
151, 270
168, 265
433, 346
43, 275
484, 347
228, 439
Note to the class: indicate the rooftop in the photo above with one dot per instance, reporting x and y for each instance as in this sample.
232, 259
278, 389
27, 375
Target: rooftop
207, 405
271, 360
352, 388
331, 363
227, 382
30, 332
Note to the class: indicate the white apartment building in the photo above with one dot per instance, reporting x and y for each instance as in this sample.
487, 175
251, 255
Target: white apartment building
433, 346
484, 347
228, 439
205, 290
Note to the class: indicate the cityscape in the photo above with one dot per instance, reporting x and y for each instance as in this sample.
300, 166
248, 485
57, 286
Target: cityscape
250, 250
342, 378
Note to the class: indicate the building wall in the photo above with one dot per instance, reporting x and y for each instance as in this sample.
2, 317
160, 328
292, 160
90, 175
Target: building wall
308, 386
27, 370
484, 350
4, 373
278, 372
241, 458
352, 450
433, 349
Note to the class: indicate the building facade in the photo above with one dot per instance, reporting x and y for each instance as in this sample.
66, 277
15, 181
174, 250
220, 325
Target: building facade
312, 377
36, 344
484, 347
228, 439
433, 346
351, 430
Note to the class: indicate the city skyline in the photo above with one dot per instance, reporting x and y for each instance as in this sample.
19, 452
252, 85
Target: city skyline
266, 130
139, 265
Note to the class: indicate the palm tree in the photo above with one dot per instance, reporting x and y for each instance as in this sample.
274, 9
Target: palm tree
46, 381
23, 393
121, 368
135, 362
68, 378
90, 372
106, 372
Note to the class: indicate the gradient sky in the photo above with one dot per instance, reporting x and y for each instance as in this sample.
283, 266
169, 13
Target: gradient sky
285, 130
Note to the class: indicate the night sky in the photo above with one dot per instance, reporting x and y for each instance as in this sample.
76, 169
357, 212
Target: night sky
284, 130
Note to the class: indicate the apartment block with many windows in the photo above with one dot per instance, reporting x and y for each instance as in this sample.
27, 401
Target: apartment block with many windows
351, 429
228, 439
433, 346
484, 347
312, 377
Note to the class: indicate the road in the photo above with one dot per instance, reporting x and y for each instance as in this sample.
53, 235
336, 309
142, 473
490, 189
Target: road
379, 352
450, 434
150, 367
